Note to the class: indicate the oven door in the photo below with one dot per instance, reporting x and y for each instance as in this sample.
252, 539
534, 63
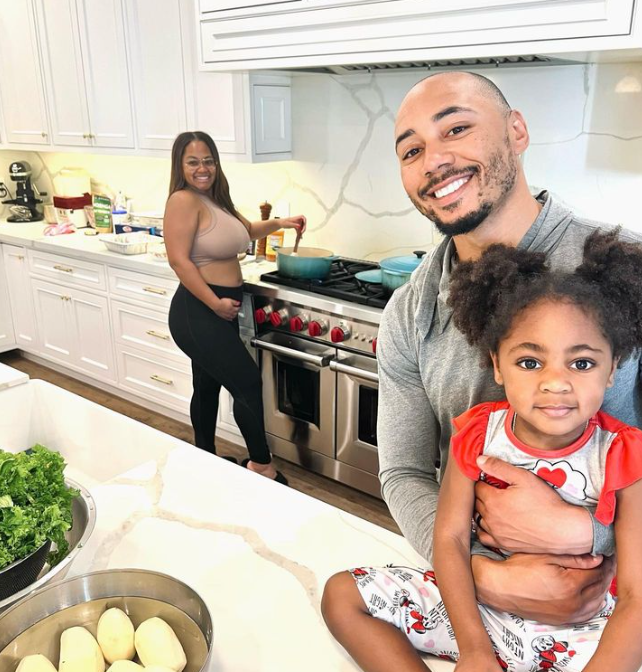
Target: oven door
357, 397
298, 391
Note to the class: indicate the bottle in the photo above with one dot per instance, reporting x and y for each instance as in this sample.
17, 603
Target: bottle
274, 240
119, 213
261, 243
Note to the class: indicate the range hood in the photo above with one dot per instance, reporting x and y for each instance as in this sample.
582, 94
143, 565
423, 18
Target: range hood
436, 65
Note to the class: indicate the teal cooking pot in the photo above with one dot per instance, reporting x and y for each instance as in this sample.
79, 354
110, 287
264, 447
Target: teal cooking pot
309, 263
395, 271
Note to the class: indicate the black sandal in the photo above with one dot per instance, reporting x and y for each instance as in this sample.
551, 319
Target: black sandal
229, 458
279, 478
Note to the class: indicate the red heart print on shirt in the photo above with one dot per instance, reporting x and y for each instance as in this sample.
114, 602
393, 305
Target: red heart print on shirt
556, 477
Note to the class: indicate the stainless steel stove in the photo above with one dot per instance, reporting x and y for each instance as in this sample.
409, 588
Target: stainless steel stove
317, 342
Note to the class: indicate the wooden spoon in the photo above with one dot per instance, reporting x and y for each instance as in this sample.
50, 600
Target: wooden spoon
296, 243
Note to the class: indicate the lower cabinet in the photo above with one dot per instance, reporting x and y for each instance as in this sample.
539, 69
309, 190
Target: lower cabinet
20, 297
74, 329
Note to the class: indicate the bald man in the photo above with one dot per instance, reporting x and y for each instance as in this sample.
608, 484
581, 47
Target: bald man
459, 143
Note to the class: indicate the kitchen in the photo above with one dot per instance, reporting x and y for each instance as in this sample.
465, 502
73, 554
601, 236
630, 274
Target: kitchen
340, 173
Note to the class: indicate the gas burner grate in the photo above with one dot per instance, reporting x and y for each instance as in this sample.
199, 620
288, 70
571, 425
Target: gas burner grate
341, 283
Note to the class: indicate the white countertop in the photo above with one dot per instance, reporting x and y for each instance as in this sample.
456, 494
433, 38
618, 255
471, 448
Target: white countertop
257, 552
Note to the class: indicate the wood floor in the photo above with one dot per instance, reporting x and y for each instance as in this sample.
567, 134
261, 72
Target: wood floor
322, 488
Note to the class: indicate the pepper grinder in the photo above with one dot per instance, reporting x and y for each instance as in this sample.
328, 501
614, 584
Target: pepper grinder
261, 243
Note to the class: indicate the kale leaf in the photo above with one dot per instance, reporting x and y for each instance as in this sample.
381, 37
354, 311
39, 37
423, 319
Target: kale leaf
35, 504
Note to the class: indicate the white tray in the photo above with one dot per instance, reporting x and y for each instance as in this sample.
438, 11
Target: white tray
128, 243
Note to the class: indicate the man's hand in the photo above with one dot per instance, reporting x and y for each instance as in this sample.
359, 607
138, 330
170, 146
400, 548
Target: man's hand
553, 589
528, 516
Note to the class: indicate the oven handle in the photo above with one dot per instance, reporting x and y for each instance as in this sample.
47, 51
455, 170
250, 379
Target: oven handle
317, 360
354, 371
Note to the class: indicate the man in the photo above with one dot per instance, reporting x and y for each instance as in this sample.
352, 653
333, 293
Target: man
458, 143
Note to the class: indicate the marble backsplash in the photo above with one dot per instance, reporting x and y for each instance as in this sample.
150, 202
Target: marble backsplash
586, 147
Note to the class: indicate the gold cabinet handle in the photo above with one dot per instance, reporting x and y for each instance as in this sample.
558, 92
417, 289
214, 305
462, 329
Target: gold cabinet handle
20, 256
64, 269
156, 334
65, 298
159, 379
155, 290
43, 134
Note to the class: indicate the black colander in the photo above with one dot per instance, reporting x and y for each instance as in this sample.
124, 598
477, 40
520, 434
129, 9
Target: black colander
21, 573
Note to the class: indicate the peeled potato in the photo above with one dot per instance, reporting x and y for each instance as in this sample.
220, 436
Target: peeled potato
115, 635
157, 644
35, 663
126, 666
79, 652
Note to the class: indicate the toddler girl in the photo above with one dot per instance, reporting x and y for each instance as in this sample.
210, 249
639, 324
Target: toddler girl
554, 341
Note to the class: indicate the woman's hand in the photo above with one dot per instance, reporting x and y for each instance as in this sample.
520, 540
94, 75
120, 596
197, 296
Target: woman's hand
297, 222
227, 309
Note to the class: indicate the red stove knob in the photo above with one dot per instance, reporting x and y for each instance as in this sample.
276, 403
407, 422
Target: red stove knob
339, 334
262, 314
317, 328
298, 323
279, 317
374, 346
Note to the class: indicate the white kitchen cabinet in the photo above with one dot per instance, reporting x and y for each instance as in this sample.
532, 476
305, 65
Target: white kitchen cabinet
255, 34
7, 336
74, 328
20, 297
85, 59
22, 94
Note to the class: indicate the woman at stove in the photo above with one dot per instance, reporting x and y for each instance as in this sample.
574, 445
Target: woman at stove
203, 234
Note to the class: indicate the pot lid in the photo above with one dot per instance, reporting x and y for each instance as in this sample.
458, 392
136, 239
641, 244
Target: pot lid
405, 264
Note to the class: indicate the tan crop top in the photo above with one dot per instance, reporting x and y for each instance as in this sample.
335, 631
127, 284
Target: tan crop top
223, 239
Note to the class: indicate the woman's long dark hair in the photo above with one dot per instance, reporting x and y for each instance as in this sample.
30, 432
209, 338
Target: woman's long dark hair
220, 191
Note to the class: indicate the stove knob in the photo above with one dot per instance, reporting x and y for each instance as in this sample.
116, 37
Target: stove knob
298, 323
261, 315
279, 317
374, 346
339, 334
317, 328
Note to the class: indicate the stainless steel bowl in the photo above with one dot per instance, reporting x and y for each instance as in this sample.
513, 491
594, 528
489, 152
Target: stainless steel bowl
35, 624
84, 518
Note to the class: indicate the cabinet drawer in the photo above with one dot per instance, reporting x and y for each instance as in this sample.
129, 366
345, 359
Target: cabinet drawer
71, 272
149, 289
145, 329
167, 383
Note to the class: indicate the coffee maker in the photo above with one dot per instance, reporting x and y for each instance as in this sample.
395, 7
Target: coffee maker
25, 204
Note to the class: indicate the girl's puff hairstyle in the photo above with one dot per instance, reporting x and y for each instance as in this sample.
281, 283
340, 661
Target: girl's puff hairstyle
220, 192
487, 295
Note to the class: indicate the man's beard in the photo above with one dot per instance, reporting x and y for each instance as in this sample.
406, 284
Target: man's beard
502, 173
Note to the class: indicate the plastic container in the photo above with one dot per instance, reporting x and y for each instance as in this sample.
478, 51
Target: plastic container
72, 182
127, 243
274, 241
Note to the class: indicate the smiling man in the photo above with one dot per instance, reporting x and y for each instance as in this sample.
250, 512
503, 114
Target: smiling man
458, 143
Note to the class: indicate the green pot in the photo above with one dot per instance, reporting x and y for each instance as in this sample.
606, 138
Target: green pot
310, 263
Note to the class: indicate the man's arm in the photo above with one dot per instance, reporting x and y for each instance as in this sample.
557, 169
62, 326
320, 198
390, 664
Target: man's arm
407, 430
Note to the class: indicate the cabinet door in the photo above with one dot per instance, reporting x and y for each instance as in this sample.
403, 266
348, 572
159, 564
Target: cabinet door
54, 324
21, 87
102, 39
271, 118
7, 336
20, 297
92, 341
154, 28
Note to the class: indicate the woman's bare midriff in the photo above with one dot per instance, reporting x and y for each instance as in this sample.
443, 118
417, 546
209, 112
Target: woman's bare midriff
226, 273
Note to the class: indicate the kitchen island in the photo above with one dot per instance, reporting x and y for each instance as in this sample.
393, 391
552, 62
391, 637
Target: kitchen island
257, 552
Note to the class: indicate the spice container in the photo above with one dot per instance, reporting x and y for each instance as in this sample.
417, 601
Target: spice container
261, 243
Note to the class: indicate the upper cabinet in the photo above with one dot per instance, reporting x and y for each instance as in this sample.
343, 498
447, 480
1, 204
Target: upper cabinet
298, 33
22, 94
86, 72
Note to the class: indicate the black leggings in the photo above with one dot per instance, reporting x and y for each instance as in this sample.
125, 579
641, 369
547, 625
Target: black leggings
219, 358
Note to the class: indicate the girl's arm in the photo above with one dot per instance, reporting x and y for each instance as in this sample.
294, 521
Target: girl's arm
180, 225
452, 568
266, 227
621, 645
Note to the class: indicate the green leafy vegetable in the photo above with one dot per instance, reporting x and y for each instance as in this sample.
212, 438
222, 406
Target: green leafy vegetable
35, 504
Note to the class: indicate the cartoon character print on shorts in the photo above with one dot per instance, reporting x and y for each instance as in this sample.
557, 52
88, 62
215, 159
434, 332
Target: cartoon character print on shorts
414, 617
551, 652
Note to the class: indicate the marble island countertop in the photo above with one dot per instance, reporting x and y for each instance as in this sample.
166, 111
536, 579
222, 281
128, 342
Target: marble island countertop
257, 552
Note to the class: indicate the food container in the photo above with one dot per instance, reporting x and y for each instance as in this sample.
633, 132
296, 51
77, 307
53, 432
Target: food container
148, 219
83, 513
34, 625
157, 251
127, 243
309, 263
